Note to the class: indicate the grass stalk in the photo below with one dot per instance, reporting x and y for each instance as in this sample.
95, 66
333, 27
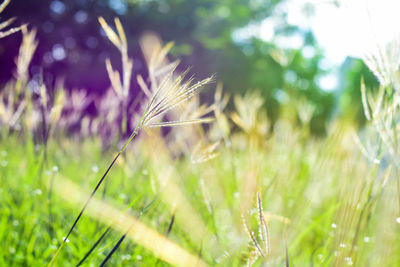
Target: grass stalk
143, 210
94, 246
171, 224
113, 249
134, 133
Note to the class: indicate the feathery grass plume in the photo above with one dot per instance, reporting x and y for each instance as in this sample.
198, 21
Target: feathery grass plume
262, 225
11, 110
15, 104
57, 108
220, 102
158, 244
166, 89
50, 109
203, 153
8, 22
169, 94
26, 51
262, 248
385, 63
382, 109
364, 100
247, 111
121, 88
251, 117
305, 111
4, 5
182, 141
155, 55
369, 147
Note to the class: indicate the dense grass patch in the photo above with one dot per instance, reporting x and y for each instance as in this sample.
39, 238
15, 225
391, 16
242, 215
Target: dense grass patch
315, 195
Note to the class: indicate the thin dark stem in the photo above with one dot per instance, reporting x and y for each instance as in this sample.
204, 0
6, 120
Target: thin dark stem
144, 209
104, 190
49, 196
134, 133
171, 223
286, 254
94, 246
114, 249
91, 196
84, 207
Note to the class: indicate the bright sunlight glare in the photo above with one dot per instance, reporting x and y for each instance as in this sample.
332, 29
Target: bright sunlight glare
343, 28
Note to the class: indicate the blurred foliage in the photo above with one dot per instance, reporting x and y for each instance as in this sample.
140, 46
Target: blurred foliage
206, 36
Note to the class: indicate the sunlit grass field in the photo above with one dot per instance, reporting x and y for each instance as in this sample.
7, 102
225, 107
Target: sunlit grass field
320, 198
192, 184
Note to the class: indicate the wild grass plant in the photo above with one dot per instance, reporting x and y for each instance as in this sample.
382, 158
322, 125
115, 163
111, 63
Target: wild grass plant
4, 24
239, 193
166, 96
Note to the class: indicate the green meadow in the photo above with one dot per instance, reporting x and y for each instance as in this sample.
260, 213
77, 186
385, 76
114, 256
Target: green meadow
186, 182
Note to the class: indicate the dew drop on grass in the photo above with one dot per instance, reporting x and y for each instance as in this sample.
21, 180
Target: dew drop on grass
367, 239
342, 245
398, 220
37, 192
12, 250
95, 169
55, 168
139, 257
348, 261
126, 257
15, 223
333, 225
66, 240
